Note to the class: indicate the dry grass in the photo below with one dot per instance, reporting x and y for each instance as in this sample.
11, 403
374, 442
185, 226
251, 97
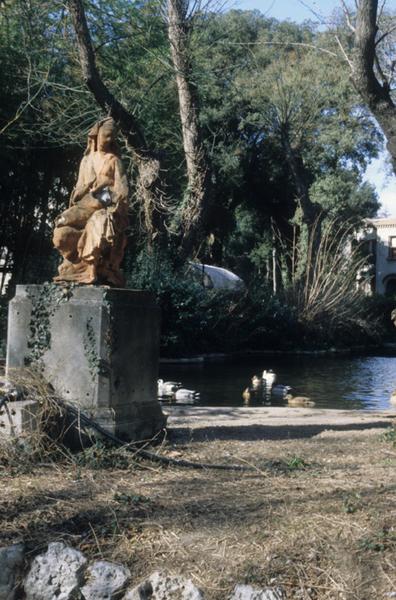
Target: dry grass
56, 430
318, 516
46, 441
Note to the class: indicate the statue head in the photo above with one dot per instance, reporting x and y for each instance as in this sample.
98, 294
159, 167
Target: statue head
102, 136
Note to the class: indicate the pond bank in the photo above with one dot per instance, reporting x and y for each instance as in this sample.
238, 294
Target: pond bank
269, 423
222, 357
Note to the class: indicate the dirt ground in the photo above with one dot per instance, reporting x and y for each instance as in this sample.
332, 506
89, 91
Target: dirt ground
316, 514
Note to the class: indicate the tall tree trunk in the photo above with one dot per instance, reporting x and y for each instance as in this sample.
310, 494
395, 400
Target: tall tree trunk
149, 189
310, 210
374, 93
194, 211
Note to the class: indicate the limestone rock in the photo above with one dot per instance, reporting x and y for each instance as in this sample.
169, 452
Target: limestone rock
106, 581
58, 573
19, 417
247, 592
11, 561
160, 586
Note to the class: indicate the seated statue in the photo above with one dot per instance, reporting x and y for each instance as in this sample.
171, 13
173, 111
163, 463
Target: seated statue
90, 234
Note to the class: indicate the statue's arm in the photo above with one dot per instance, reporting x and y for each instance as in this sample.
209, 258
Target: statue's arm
120, 189
84, 181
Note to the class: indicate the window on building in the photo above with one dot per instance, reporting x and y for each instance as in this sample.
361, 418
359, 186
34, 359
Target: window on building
390, 287
392, 247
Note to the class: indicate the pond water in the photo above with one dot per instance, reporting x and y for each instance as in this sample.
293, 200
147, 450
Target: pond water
331, 382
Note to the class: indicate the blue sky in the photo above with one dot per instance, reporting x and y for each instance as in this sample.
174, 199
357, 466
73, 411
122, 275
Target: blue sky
319, 11
294, 10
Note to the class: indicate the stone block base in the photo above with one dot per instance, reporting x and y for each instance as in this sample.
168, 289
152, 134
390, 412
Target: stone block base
97, 347
18, 418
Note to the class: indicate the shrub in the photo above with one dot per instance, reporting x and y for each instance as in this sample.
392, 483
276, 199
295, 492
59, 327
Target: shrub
196, 319
328, 302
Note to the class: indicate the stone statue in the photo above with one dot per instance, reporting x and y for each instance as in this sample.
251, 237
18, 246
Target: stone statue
90, 234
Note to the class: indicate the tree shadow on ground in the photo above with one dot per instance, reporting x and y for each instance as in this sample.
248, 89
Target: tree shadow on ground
263, 432
196, 505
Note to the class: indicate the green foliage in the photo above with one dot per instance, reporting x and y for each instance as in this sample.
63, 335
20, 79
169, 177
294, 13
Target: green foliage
259, 82
296, 463
288, 465
96, 364
102, 456
379, 309
44, 305
342, 196
379, 542
352, 503
131, 499
318, 311
195, 319
390, 435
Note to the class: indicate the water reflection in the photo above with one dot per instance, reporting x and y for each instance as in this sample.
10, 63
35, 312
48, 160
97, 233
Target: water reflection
340, 382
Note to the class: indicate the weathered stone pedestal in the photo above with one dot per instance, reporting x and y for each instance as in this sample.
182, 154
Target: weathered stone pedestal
97, 347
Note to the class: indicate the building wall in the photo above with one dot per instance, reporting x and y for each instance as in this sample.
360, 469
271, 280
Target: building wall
385, 264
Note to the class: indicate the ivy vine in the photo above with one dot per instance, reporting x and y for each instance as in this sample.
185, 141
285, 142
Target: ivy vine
44, 306
96, 364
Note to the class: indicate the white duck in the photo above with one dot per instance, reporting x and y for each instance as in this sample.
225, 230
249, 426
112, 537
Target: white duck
392, 398
269, 377
183, 395
167, 388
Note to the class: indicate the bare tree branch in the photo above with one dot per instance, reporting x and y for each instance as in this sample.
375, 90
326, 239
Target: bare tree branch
344, 53
347, 16
149, 188
24, 105
126, 121
380, 39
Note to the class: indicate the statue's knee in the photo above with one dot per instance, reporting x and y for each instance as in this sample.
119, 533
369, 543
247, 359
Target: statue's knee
75, 216
65, 240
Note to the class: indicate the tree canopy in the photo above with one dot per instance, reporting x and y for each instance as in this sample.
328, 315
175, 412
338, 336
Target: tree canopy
283, 130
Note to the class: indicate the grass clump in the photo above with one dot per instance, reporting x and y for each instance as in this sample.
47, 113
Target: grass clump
286, 466
390, 435
379, 542
352, 503
103, 456
296, 463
